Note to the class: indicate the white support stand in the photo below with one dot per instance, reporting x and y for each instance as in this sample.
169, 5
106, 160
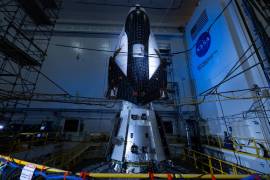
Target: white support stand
138, 140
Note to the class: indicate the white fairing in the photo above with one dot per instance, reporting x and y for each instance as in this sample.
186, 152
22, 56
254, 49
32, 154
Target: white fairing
153, 59
138, 50
141, 132
122, 57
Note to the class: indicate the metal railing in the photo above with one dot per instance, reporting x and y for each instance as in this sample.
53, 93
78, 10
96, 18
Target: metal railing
64, 160
218, 168
70, 157
213, 165
25, 141
44, 170
254, 147
213, 168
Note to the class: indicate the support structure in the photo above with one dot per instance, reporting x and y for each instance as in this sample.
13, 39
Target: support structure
26, 28
138, 142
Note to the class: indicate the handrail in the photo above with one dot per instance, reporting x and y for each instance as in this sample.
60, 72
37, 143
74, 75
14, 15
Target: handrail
213, 164
164, 176
38, 166
20, 140
50, 170
64, 159
218, 141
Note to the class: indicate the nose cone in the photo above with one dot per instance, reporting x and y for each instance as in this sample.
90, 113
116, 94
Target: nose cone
137, 7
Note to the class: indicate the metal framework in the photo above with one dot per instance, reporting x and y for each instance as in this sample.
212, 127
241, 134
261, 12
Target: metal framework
26, 28
172, 86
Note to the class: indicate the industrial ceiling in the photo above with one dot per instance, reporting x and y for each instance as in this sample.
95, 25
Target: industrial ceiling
165, 13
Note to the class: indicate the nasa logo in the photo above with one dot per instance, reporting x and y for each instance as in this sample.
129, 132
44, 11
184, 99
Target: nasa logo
203, 44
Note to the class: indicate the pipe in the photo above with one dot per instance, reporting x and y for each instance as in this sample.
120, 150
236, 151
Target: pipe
126, 176
165, 176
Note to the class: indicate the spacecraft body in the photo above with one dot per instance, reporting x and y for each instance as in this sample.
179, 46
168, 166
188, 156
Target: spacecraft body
137, 76
138, 140
136, 73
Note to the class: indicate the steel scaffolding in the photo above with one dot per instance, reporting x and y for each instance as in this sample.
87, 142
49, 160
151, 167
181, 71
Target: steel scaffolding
26, 28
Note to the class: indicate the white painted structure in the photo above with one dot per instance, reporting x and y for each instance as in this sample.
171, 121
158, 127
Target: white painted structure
138, 139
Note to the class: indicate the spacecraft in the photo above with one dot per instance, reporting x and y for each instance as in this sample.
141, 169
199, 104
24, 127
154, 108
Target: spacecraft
136, 72
137, 76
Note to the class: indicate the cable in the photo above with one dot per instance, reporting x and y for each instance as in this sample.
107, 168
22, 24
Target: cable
236, 65
219, 15
166, 12
128, 6
227, 128
57, 85
238, 90
233, 69
214, 100
102, 50
171, 54
238, 74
